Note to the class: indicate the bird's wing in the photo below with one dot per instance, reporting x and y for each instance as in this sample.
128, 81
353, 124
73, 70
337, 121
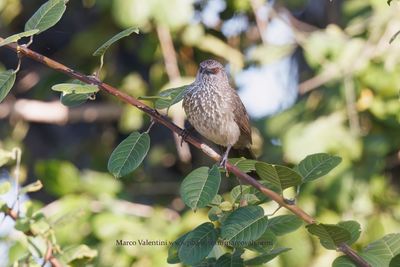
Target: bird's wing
242, 119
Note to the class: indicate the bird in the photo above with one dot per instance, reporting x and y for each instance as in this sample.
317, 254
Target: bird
215, 109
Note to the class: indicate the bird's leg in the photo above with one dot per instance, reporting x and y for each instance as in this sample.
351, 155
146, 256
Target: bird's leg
185, 133
224, 159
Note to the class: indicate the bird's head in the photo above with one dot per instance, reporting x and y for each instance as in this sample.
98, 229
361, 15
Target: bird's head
211, 70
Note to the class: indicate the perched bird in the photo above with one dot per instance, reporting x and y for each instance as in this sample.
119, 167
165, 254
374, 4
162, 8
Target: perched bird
215, 110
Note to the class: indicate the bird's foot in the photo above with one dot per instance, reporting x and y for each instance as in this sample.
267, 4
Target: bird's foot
223, 163
184, 134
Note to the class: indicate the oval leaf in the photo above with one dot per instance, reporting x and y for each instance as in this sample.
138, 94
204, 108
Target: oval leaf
80, 252
4, 187
229, 260
73, 88
266, 257
245, 165
73, 100
129, 154
244, 225
173, 250
354, 228
284, 224
330, 235
103, 48
46, 16
198, 244
384, 248
7, 79
200, 187
14, 38
280, 176
317, 165
170, 97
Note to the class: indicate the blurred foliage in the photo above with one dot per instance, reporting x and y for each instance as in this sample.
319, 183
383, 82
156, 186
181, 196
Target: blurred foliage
354, 114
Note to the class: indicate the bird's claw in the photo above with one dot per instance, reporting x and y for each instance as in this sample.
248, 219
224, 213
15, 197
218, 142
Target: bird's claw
223, 163
184, 134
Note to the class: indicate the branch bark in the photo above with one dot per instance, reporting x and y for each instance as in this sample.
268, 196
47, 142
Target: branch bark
159, 118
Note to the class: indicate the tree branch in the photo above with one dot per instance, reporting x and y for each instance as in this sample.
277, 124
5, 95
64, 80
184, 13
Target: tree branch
157, 117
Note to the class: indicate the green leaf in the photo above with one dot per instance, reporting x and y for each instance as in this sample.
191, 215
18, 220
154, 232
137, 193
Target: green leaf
284, 224
170, 97
73, 100
39, 227
280, 176
6, 156
265, 243
343, 261
7, 79
14, 38
354, 229
330, 235
46, 16
32, 187
384, 248
245, 165
317, 165
173, 250
216, 200
200, 187
244, 225
229, 260
5, 186
73, 88
129, 154
80, 252
208, 262
395, 262
214, 213
266, 257
103, 48
198, 244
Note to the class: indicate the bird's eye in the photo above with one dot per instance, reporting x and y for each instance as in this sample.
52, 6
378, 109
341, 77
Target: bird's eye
214, 70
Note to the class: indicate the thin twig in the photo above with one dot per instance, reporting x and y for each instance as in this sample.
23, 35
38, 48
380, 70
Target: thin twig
191, 139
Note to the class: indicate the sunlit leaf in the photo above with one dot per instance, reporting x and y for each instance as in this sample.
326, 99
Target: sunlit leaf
266, 257
198, 244
46, 16
284, 224
317, 165
128, 155
244, 225
170, 97
14, 38
245, 165
80, 252
5, 186
384, 248
330, 235
32, 187
73, 88
6, 156
200, 187
103, 48
280, 176
7, 79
